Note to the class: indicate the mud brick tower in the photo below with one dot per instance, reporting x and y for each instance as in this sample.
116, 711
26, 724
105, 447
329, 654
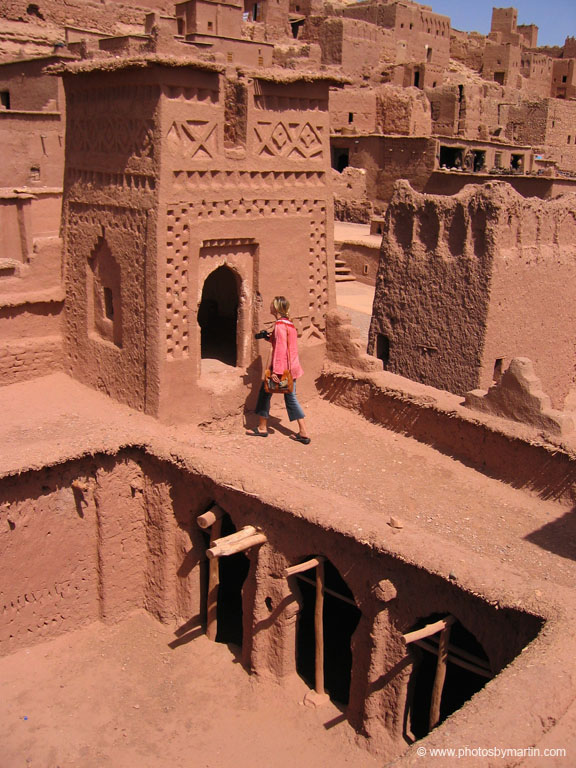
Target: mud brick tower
191, 198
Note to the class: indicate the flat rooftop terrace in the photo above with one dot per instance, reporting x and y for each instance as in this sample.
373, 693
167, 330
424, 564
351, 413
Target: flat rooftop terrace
370, 482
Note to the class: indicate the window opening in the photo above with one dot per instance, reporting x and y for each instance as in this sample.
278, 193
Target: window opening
451, 157
479, 160
417, 78
516, 162
34, 10
340, 158
350, 117
498, 366
5, 99
108, 304
383, 349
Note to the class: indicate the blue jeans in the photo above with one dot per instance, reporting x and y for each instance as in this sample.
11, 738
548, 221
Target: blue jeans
293, 407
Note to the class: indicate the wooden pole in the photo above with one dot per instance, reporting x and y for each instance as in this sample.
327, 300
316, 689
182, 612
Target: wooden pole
319, 630
429, 629
223, 550
439, 678
209, 517
301, 567
213, 582
243, 533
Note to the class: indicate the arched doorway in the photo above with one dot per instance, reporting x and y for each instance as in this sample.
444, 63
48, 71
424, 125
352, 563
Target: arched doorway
340, 619
467, 670
218, 316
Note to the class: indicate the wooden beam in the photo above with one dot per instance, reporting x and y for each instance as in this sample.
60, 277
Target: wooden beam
301, 567
429, 629
439, 678
479, 662
329, 591
232, 538
208, 518
452, 657
213, 583
223, 550
319, 630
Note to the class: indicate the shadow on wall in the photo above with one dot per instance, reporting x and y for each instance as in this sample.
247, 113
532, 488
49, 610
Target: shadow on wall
558, 536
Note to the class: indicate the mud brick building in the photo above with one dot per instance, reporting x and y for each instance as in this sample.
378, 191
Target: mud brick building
184, 214
468, 282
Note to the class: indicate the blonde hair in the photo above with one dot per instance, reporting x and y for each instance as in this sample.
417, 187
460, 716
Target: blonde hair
281, 305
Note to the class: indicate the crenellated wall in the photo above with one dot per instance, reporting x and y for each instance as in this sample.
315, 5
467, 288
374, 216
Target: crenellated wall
481, 277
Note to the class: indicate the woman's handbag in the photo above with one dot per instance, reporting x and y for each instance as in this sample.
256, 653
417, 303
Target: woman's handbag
282, 387
286, 383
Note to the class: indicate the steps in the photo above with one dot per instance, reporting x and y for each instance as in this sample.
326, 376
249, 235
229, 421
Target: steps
343, 273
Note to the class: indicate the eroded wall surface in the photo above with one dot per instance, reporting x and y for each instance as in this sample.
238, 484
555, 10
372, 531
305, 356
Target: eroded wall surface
465, 281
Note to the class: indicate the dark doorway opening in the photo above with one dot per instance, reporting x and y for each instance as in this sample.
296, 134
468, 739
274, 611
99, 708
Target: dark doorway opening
517, 163
451, 157
383, 349
499, 77
340, 159
340, 621
5, 99
233, 572
417, 78
460, 684
479, 160
218, 316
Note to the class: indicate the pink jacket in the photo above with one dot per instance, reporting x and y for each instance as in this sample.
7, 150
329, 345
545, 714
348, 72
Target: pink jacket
283, 336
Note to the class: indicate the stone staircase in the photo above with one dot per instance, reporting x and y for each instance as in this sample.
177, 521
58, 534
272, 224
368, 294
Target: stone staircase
343, 273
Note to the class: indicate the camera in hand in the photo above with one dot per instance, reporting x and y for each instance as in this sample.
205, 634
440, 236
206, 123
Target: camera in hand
262, 335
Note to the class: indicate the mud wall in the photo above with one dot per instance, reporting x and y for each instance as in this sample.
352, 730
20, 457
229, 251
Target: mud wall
432, 292
99, 537
108, 213
467, 280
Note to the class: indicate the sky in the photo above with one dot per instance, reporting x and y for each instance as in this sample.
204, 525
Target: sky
555, 19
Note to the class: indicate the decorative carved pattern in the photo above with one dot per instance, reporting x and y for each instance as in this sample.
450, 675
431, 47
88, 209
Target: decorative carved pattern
284, 103
310, 326
180, 93
177, 311
290, 140
247, 179
194, 138
131, 137
101, 180
120, 217
227, 242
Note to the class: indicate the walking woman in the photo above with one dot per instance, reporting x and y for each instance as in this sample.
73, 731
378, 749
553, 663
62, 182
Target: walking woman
284, 340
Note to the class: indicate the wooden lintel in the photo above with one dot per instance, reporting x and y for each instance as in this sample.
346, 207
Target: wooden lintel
236, 546
301, 567
429, 629
232, 538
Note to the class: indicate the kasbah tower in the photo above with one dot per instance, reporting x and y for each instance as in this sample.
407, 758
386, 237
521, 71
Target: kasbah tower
176, 590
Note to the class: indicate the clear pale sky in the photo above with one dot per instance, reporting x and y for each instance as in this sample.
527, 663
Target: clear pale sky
555, 19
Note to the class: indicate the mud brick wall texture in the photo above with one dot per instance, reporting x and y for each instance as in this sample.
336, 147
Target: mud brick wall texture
29, 359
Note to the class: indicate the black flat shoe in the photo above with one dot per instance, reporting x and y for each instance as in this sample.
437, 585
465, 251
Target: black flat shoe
256, 433
301, 439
